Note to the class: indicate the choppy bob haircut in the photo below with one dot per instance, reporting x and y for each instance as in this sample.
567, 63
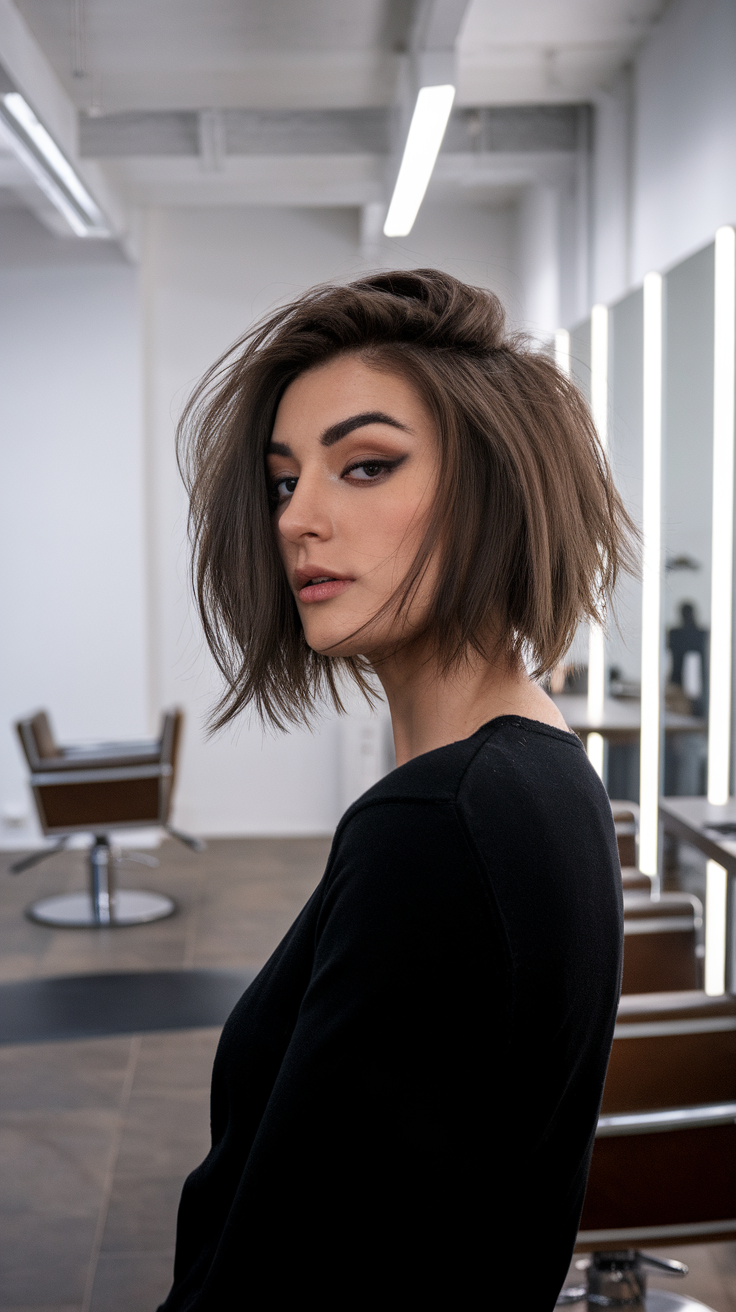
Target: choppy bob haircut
530, 530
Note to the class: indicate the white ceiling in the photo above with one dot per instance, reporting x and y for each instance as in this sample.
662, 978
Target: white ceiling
180, 57
268, 54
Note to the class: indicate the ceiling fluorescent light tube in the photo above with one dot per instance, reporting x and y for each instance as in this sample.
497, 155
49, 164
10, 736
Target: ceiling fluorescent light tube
427, 129
721, 604
651, 638
34, 147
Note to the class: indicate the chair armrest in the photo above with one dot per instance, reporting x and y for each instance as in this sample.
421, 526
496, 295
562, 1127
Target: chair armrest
103, 756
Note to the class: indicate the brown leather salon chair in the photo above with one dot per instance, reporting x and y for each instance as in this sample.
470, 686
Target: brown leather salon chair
663, 1170
95, 789
634, 881
626, 820
662, 948
662, 938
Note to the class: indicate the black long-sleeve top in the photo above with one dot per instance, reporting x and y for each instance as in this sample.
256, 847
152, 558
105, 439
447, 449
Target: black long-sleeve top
404, 1100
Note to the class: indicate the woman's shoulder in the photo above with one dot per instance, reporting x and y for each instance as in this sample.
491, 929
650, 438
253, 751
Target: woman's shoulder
508, 753
516, 784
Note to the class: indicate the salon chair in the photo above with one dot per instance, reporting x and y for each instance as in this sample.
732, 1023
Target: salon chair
662, 951
634, 881
95, 789
663, 1170
626, 821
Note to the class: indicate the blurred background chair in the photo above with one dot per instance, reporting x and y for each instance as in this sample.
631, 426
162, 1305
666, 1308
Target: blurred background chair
662, 947
95, 789
663, 935
663, 1170
626, 820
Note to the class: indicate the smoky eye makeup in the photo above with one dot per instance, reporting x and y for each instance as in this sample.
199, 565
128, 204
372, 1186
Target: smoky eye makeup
280, 487
370, 470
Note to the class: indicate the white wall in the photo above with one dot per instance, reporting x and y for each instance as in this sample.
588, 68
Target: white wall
612, 191
538, 236
685, 142
665, 143
72, 584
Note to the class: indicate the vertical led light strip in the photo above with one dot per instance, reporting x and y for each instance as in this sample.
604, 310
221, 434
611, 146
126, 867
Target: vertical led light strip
596, 639
721, 593
562, 351
716, 888
651, 638
721, 588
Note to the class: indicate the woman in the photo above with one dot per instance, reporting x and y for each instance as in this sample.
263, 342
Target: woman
385, 485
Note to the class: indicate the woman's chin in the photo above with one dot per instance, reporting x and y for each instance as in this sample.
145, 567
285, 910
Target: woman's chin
335, 646
344, 640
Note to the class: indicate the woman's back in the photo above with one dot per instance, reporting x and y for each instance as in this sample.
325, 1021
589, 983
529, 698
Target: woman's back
404, 1100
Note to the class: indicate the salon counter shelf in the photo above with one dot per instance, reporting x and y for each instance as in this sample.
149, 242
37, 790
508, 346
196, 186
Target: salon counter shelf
709, 828
621, 719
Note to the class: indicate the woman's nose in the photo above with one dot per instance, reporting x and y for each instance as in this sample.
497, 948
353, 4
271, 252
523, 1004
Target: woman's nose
305, 513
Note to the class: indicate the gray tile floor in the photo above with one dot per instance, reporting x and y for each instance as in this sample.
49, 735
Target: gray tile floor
97, 1136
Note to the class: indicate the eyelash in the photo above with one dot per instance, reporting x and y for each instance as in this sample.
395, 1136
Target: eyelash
383, 467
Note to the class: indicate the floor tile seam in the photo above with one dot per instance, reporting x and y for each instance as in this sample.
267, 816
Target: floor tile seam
180, 1096
99, 1117
193, 919
104, 1207
138, 1252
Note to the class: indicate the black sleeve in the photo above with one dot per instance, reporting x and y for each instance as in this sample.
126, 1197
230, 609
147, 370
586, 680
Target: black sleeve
378, 1175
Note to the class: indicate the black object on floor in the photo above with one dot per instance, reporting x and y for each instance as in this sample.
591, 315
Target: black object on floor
131, 1002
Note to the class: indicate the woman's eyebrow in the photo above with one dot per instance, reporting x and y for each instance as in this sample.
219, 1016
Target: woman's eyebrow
333, 434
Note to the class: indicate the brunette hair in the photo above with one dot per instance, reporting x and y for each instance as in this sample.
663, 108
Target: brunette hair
530, 528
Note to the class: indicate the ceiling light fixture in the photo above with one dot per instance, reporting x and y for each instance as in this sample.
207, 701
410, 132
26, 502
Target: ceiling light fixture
426, 131
37, 151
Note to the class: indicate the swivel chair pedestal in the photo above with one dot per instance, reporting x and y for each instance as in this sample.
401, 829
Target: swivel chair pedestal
618, 1280
104, 904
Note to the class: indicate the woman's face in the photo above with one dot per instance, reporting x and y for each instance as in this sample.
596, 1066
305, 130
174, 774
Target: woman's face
353, 466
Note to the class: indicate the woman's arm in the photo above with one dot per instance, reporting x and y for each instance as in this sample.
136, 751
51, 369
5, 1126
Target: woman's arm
381, 1137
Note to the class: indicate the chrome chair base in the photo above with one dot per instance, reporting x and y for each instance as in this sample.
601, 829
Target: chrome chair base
78, 910
657, 1300
104, 904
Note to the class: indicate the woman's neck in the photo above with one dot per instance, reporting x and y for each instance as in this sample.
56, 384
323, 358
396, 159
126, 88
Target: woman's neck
430, 709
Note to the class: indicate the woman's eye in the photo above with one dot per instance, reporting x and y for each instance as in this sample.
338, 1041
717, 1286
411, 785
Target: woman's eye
284, 487
369, 469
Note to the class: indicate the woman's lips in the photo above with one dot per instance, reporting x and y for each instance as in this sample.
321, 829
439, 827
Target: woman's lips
323, 591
